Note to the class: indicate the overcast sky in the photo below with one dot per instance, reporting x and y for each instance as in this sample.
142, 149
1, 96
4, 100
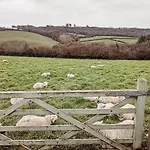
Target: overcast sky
108, 13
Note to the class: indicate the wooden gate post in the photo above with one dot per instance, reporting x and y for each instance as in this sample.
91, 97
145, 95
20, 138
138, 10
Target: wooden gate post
139, 116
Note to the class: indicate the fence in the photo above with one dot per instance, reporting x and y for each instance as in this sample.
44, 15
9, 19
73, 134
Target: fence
75, 125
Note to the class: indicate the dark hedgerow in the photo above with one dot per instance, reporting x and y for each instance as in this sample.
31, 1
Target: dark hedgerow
139, 51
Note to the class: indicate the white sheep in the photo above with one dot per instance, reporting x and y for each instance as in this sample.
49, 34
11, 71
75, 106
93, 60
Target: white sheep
5, 60
70, 75
127, 116
46, 74
32, 120
105, 106
93, 66
40, 85
14, 101
101, 65
118, 133
108, 99
92, 99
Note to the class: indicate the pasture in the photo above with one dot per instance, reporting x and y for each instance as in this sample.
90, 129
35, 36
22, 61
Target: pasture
110, 39
20, 73
31, 38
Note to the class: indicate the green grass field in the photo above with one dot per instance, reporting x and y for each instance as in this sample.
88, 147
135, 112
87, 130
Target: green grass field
20, 73
110, 39
31, 38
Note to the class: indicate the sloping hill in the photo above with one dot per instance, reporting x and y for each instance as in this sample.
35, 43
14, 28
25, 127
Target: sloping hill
31, 38
110, 39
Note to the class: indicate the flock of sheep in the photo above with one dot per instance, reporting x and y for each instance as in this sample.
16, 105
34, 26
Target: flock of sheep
127, 118
33, 120
102, 103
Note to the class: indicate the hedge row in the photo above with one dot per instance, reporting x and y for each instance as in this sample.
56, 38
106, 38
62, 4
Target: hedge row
79, 50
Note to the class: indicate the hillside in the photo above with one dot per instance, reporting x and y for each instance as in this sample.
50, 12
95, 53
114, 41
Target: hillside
86, 31
110, 39
31, 38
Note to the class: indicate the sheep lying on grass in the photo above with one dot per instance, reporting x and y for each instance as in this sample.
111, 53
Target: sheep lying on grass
5, 60
105, 106
40, 85
14, 101
70, 75
127, 116
46, 74
32, 120
118, 133
92, 99
108, 99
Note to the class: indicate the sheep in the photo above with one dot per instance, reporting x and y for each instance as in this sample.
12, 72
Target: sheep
13, 101
105, 99
101, 65
93, 66
127, 116
40, 85
32, 120
117, 133
70, 75
105, 106
5, 60
46, 74
92, 99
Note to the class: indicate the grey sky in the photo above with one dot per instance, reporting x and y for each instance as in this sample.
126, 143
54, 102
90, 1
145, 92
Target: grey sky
108, 13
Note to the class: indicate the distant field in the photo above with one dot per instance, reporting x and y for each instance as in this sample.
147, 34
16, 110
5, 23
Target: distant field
110, 39
31, 38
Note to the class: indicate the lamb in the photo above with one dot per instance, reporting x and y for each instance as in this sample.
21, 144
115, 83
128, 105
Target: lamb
127, 116
118, 133
46, 74
70, 75
92, 99
32, 120
14, 101
105, 99
105, 106
40, 85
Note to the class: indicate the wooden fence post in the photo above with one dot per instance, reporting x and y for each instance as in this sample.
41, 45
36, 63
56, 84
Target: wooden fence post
139, 117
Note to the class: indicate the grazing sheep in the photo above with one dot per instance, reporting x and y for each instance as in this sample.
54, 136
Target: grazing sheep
105, 99
5, 60
117, 133
32, 120
70, 75
14, 101
92, 99
105, 106
40, 85
127, 116
46, 74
